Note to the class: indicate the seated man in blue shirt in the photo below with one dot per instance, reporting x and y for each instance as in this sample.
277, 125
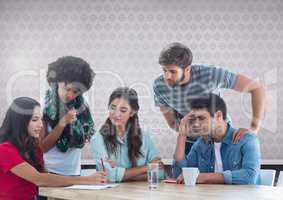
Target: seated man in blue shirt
218, 159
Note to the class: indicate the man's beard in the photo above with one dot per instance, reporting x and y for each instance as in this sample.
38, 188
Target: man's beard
178, 81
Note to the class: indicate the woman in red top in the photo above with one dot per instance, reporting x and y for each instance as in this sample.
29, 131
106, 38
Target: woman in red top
21, 160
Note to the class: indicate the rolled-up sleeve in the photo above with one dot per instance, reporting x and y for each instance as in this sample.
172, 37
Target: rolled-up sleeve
98, 151
227, 177
249, 172
223, 78
191, 160
177, 167
158, 100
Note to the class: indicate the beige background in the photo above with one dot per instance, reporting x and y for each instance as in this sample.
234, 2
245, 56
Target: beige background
121, 39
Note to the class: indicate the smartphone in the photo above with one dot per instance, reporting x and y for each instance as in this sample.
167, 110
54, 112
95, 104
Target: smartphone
170, 181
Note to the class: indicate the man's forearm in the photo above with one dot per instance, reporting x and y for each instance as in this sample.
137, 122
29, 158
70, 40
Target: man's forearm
175, 126
258, 104
257, 91
210, 178
170, 118
180, 147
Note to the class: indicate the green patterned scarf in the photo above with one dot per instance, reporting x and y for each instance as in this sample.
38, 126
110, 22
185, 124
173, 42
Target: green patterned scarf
78, 132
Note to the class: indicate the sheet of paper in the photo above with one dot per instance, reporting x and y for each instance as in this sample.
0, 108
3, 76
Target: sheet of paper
92, 187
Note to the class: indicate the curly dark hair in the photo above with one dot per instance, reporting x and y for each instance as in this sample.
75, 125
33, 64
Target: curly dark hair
176, 54
108, 130
70, 69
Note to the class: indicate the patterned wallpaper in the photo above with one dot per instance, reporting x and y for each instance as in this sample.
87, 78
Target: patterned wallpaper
122, 39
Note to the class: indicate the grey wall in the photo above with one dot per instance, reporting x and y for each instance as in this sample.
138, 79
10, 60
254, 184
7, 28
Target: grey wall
122, 40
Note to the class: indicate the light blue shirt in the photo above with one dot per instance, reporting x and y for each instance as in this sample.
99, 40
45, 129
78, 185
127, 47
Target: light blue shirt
241, 161
121, 159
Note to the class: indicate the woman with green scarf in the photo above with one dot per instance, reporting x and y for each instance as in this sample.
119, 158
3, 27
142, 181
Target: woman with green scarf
68, 124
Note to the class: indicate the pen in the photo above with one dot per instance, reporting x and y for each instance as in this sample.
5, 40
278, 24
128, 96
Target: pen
102, 164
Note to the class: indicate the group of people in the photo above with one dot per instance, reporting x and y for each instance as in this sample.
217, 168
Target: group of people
44, 149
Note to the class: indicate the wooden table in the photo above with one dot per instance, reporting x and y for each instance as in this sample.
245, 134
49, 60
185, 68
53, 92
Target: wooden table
140, 191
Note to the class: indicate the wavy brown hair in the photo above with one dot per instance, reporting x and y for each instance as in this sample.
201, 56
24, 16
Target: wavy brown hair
108, 130
15, 130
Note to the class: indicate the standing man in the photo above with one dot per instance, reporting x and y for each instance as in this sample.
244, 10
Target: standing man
182, 82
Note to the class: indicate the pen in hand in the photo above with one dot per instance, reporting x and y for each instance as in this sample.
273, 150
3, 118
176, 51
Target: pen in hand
102, 164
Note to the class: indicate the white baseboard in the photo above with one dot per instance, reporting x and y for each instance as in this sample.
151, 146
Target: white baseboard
169, 162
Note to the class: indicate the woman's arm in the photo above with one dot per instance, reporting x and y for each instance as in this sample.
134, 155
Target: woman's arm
48, 140
29, 173
132, 173
140, 173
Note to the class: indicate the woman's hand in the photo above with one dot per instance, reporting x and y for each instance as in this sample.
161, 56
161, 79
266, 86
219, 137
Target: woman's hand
70, 117
156, 160
112, 163
98, 178
159, 161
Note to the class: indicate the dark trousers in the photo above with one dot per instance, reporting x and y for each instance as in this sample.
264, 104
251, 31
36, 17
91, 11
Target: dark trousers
40, 198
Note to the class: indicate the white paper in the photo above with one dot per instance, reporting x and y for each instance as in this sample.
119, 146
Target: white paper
92, 187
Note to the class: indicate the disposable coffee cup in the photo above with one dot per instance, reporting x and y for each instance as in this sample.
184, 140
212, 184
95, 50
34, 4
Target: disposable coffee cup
190, 175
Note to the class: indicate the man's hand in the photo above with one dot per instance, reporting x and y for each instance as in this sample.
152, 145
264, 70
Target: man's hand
182, 137
241, 132
184, 127
180, 179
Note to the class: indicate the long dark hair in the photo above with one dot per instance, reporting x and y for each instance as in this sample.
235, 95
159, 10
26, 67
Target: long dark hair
108, 130
15, 130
